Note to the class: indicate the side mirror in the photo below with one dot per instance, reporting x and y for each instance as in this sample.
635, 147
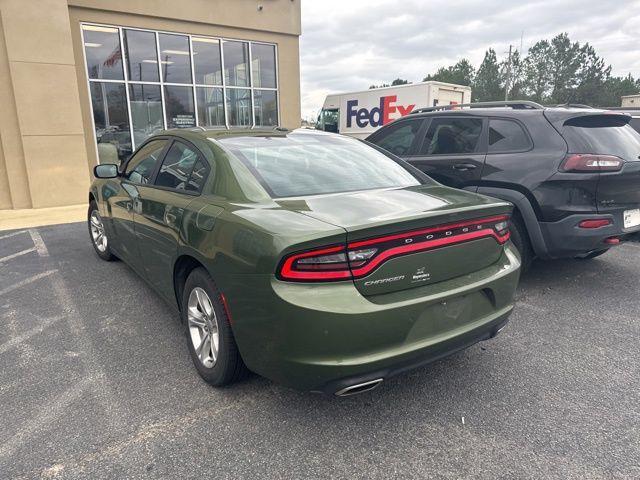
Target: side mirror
106, 170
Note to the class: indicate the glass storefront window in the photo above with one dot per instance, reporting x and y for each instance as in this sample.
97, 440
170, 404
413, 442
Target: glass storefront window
236, 63
109, 102
173, 80
102, 50
175, 58
263, 65
179, 107
142, 55
145, 102
210, 107
239, 107
266, 108
206, 61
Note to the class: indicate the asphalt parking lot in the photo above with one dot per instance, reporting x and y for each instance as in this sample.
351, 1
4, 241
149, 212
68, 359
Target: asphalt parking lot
96, 382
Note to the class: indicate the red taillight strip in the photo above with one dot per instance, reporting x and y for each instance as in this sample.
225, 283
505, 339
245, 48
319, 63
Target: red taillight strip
440, 228
289, 273
427, 245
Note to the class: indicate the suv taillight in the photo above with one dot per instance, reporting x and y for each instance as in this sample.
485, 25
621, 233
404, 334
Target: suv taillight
587, 162
358, 259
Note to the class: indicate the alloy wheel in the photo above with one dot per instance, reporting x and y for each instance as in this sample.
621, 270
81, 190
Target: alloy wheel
97, 232
203, 327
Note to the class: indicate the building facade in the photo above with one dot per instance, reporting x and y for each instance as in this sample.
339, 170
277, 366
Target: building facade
86, 81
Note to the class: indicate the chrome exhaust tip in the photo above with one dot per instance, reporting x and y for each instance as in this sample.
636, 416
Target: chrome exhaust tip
359, 388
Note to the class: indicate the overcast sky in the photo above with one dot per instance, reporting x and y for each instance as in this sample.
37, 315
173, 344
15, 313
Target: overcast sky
351, 44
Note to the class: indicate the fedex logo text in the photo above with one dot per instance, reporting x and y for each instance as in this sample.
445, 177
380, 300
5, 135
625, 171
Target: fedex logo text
377, 116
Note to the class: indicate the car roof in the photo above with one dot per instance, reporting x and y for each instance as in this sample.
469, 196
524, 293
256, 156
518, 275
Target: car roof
217, 133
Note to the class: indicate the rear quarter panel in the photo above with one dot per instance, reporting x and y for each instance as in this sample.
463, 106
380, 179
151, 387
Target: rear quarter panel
532, 173
242, 251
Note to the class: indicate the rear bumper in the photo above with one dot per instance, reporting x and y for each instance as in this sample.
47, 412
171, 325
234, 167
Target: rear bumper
484, 331
565, 239
325, 337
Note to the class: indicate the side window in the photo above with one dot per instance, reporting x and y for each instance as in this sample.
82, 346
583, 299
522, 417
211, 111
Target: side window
143, 163
397, 138
507, 136
452, 135
198, 176
177, 166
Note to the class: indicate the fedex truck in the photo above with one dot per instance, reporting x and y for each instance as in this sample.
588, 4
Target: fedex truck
359, 114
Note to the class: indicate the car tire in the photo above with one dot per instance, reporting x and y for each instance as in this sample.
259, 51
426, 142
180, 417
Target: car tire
593, 254
203, 313
520, 239
97, 233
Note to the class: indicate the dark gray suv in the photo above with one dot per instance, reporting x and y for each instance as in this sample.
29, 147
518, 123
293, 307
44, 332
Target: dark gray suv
573, 174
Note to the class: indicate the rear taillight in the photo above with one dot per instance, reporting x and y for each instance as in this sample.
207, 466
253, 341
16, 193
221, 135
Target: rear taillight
586, 162
324, 264
360, 258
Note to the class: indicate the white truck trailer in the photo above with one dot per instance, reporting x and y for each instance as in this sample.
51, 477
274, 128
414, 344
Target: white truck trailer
359, 114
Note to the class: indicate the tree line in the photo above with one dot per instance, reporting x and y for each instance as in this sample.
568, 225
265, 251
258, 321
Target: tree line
553, 71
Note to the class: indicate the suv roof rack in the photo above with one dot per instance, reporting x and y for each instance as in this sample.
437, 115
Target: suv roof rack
514, 104
571, 105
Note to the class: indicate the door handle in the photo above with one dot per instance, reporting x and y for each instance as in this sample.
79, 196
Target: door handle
464, 166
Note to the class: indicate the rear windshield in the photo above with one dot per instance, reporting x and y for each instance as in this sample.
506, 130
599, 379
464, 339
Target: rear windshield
312, 164
602, 134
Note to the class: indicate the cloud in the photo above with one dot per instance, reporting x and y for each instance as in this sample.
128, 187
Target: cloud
349, 45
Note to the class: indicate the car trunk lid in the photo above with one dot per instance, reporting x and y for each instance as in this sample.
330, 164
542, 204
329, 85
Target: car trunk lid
409, 237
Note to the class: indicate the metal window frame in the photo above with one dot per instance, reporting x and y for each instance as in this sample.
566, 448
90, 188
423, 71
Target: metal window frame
125, 70
193, 84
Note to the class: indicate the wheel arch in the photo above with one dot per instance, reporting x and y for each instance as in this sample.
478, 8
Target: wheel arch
182, 268
523, 207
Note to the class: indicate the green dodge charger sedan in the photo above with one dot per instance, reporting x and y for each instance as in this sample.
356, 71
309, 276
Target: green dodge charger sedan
313, 259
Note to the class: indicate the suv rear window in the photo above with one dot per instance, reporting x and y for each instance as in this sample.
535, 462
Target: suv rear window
602, 134
311, 164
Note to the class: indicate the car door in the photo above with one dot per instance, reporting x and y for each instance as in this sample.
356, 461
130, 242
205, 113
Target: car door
123, 199
163, 204
452, 150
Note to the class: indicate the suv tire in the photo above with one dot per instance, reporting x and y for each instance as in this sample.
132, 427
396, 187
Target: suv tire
520, 239
218, 362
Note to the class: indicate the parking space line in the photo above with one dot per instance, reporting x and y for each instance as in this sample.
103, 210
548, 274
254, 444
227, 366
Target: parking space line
13, 234
39, 244
53, 411
90, 359
15, 255
145, 435
26, 281
17, 340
